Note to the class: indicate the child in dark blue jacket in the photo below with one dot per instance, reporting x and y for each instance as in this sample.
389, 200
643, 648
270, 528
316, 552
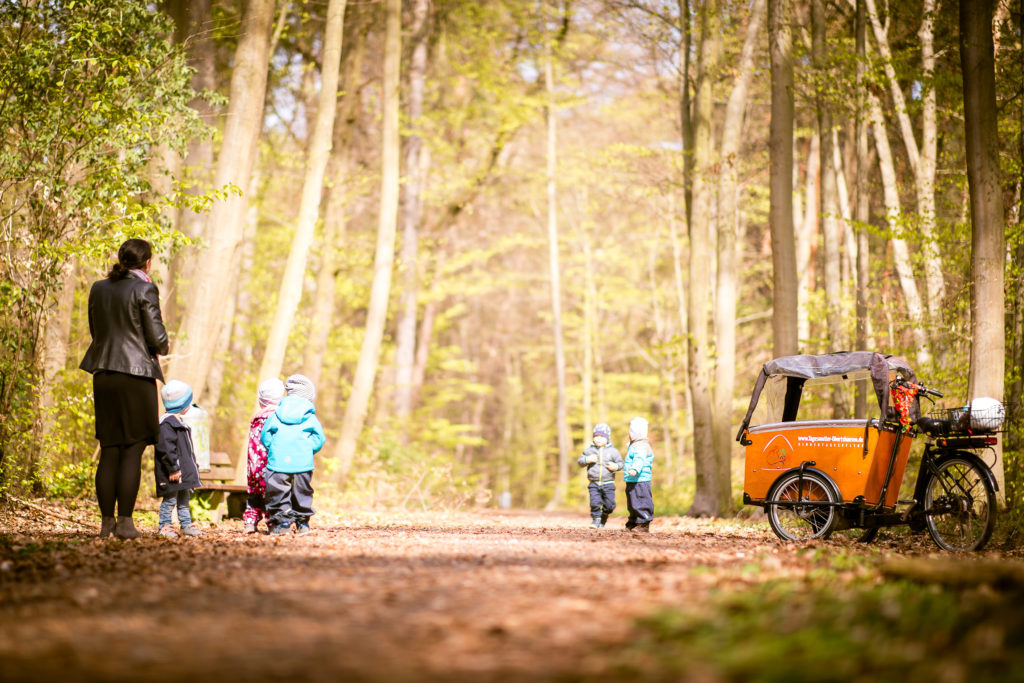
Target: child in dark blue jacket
292, 435
175, 467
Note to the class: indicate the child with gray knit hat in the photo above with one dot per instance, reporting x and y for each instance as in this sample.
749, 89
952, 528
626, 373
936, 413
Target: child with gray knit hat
269, 394
292, 435
174, 463
603, 461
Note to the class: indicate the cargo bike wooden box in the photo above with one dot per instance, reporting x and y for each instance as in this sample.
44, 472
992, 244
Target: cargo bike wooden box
817, 476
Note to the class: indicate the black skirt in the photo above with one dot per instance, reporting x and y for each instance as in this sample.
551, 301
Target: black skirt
126, 408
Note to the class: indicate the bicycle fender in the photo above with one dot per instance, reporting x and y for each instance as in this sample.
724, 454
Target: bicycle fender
973, 457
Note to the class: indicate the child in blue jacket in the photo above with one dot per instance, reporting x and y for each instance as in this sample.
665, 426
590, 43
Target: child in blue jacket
637, 466
292, 435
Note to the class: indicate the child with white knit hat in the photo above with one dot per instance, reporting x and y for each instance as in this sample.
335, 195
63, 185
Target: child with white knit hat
269, 394
638, 466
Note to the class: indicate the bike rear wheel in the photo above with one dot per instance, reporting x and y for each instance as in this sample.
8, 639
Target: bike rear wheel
959, 505
792, 521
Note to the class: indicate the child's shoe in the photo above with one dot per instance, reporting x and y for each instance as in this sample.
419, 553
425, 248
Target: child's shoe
596, 524
644, 528
250, 528
279, 529
301, 529
191, 530
604, 518
168, 531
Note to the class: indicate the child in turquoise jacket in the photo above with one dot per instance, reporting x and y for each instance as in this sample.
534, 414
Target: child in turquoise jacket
638, 466
292, 436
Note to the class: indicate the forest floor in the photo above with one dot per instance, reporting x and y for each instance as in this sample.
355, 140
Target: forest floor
497, 596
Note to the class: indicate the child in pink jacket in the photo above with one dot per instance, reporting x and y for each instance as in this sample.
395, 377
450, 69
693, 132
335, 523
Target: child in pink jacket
269, 393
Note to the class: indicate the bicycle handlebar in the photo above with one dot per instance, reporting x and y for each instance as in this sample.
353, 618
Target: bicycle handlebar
921, 389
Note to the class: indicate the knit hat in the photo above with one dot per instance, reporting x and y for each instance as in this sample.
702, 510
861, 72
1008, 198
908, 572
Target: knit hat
270, 392
177, 396
300, 385
637, 428
603, 430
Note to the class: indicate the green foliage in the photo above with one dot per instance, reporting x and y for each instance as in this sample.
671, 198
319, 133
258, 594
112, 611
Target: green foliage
72, 480
830, 629
88, 89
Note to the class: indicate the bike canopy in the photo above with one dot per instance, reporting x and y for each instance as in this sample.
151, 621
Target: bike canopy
825, 369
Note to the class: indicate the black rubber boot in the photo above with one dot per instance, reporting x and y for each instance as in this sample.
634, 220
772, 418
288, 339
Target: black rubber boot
604, 518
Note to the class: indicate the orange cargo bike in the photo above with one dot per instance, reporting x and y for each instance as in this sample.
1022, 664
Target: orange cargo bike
817, 476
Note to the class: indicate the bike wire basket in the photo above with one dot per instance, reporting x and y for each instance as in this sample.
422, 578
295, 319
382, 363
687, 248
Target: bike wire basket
980, 416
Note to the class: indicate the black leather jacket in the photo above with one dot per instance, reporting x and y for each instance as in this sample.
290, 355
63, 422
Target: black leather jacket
126, 326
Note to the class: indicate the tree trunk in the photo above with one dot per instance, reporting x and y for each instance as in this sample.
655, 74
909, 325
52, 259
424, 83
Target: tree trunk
862, 204
780, 150
53, 349
196, 341
405, 337
807, 238
320, 323
926, 168
728, 222
831, 237
988, 336
589, 328
376, 317
290, 293
561, 415
197, 170
900, 252
711, 495
922, 160
685, 118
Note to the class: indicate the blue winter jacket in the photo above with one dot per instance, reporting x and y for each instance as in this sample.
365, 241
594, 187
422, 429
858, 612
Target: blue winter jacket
292, 434
639, 457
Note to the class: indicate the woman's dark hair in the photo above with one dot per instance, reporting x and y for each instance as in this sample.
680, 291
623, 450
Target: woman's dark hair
132, 255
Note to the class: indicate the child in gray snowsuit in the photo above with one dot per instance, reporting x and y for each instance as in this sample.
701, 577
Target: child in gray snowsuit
602, 461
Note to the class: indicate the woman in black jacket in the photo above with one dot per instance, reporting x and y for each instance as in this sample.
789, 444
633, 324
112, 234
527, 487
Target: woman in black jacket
127, 335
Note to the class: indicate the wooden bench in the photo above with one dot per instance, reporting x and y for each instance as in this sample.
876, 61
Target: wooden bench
224, 498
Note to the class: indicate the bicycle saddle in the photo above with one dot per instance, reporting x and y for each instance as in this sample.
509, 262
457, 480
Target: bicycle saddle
933, 426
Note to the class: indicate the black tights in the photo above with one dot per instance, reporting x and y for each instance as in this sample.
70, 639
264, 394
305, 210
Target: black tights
117, 478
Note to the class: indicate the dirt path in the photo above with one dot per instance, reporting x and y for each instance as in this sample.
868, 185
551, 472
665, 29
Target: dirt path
472, 596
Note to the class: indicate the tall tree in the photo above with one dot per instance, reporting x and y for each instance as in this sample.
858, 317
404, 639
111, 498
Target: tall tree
376, 316
290, 292
988, 336
728, 228
900, 250
212, 287
862, 204
780, 148
921, 158
555, 273
831, 237
411, 202
710, 493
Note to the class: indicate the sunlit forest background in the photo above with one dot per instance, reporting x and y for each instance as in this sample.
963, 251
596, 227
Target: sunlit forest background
484, 234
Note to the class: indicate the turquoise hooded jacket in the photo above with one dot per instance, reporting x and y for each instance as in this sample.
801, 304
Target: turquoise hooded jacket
292, 434
639, 458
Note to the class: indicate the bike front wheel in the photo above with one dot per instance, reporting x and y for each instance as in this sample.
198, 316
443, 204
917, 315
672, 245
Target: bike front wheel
959, 505
800, 508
